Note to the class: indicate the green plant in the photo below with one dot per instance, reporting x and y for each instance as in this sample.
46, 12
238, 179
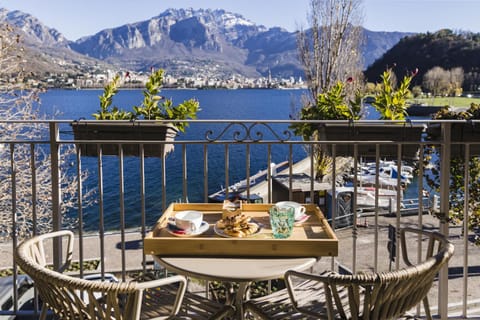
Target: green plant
390, 102
153, 106
472, 113
330, 105
106, 99
458, 165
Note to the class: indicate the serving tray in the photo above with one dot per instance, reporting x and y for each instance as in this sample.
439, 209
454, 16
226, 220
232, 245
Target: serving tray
312, 238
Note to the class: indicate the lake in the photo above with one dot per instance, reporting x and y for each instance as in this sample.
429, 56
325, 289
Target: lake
259, 104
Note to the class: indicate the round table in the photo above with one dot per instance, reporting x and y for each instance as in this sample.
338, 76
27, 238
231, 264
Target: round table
240, 270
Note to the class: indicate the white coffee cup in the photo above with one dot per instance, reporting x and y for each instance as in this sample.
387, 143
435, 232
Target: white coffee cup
299, 209
189, 220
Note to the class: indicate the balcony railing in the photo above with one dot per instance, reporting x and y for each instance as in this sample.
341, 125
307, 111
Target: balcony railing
112, 201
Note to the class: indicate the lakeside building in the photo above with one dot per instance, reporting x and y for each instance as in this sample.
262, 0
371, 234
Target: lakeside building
132, 79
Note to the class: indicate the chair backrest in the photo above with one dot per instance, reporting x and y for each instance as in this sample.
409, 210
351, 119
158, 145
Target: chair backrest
38, 249
75, 298
385, 295
433, 245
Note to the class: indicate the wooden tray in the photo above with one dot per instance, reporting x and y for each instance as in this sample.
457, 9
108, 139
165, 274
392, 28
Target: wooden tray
312, 238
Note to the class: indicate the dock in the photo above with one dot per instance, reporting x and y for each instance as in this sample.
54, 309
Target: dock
301, 170
239, 189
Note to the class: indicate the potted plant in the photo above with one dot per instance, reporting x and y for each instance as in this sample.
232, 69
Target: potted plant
464, 129
390, 102
153, 107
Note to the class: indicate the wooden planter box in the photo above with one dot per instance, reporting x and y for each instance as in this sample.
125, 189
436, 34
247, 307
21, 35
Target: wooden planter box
460, 132
124, 131
382, 133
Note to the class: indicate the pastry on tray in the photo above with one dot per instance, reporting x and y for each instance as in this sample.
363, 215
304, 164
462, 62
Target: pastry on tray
237, 226
231, 208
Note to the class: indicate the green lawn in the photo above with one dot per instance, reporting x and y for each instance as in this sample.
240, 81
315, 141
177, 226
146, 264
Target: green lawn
444, 101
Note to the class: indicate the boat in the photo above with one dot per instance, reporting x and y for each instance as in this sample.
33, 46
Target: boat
385, 184
387, 174
238, 190
366, 196
406, 169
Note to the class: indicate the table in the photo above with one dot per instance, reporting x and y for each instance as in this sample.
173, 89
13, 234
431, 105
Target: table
240, 260
239, 270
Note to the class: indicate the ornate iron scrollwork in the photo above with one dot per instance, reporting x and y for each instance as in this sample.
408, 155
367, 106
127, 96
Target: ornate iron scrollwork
244, 132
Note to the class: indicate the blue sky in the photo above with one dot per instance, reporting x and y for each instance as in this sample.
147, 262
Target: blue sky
85, 17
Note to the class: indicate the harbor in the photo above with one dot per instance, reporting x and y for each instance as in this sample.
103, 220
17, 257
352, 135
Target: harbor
371, 192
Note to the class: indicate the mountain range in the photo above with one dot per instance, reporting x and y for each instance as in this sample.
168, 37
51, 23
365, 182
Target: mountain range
185, 42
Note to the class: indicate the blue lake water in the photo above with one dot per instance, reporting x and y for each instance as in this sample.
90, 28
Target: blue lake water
215, 104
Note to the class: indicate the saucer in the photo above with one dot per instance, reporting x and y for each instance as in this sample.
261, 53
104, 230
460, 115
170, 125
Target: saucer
177, 232
302, 218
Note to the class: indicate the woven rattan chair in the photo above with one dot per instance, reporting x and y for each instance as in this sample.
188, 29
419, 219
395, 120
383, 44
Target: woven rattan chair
366, 295
75, 298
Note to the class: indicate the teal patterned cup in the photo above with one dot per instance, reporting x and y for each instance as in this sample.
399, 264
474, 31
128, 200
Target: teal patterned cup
281, 221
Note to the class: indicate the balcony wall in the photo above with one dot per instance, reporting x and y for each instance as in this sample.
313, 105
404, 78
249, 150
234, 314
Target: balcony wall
113, 200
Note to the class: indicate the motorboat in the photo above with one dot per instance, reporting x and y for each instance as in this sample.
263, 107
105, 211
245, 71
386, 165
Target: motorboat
387, 174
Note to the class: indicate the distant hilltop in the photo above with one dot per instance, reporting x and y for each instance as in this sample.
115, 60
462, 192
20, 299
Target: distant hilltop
424, 52
184, 42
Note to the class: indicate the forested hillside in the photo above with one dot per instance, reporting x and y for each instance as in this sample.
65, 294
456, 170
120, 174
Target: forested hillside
444, 48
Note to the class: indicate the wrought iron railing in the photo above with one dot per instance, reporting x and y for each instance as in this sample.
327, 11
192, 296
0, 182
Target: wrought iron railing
112, 201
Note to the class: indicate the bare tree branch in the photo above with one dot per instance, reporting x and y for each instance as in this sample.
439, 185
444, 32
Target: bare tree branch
330, 49
25, 168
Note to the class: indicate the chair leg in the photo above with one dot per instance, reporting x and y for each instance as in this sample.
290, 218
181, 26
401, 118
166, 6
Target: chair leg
426, 306
43, 313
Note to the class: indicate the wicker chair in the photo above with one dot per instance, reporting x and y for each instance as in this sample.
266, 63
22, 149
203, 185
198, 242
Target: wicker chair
75, 298
365, 295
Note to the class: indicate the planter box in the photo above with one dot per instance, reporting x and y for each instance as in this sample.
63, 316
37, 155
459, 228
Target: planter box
124, 131
382, 133
460, 132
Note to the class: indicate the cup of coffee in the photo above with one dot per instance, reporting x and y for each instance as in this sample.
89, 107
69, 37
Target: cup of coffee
282, 220
189, 220
299, 209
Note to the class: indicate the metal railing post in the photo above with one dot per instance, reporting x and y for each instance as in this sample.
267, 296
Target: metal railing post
56, 193
466, 219
444, 209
